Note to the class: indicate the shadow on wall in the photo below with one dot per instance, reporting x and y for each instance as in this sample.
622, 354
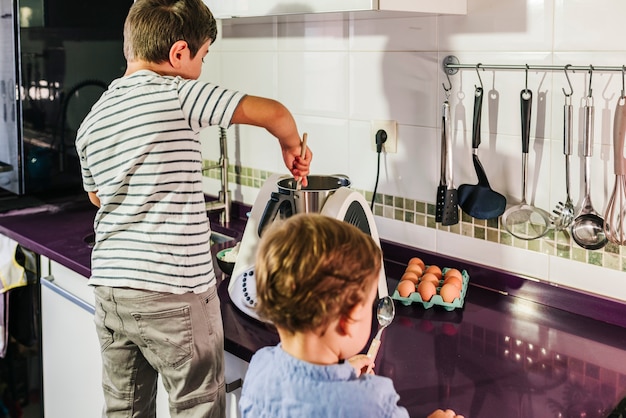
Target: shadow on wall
418, 89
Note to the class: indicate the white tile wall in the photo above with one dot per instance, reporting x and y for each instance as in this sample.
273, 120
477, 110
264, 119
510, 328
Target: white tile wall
314, 82
338, 75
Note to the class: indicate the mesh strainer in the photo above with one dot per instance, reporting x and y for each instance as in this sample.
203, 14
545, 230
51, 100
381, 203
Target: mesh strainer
525, 221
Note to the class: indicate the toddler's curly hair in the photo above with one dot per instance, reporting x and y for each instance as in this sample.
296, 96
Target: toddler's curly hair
312, 269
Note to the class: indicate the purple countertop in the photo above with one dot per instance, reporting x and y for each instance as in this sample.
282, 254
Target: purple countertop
56, 230
515, 349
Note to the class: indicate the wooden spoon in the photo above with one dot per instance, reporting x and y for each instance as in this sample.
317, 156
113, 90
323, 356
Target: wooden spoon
302, 155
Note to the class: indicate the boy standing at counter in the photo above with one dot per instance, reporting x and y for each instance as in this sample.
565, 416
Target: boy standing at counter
316, 281
157, 309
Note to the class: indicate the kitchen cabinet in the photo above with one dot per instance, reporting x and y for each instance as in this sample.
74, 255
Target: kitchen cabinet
70, 348
234, 372
225, 9
71, 351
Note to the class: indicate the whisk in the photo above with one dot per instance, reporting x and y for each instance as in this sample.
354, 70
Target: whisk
615, 215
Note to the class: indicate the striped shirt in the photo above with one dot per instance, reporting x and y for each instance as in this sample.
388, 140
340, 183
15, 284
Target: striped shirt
139, 149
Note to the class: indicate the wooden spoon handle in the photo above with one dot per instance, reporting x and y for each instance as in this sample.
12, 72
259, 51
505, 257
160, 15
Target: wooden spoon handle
303, 145
302, 155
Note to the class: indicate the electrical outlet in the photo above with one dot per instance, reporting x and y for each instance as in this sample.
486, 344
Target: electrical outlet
391, 144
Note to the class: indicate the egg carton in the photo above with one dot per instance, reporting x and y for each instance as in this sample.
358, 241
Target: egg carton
436, 299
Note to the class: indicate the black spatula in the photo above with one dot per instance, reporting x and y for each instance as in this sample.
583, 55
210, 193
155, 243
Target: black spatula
446, 209
480, 200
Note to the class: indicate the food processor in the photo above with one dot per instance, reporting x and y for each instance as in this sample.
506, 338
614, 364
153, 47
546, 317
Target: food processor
279, 198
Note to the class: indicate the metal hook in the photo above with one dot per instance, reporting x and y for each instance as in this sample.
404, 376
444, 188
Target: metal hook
478, 74
590, 75
569, 82
447, 89
623, 70
526, 84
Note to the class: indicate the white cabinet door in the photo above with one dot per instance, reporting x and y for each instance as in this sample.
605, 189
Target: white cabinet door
70, 349
70, 352
224, 9
163, 407
234, 372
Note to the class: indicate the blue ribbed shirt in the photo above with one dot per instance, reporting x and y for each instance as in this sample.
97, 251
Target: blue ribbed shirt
278, 385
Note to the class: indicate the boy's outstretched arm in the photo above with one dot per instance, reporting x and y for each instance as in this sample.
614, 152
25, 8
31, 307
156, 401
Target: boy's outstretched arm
278, 120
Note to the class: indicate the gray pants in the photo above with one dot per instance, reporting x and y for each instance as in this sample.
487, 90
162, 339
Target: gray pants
143, 334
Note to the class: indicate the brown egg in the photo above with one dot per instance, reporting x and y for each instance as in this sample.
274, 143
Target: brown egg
426, 290
415, 269
457, 281
410, 275
453, 272
405, 288
449, 292
429, 277
434, 270
418, 261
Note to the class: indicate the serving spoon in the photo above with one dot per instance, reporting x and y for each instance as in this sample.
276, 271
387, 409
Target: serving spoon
385, 312
588, 226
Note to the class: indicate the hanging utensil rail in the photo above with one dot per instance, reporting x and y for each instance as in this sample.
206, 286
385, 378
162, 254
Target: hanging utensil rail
451, 66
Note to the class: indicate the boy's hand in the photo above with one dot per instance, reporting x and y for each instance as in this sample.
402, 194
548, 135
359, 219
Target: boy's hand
298, 166
361, 363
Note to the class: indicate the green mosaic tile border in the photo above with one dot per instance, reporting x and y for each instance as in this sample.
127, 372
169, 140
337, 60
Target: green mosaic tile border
244, 176
555, 243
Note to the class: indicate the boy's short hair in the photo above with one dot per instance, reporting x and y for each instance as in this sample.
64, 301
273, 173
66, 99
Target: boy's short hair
312, 269
152, 27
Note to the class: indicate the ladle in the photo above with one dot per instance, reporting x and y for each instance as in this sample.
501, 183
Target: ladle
588, 226
525, 221
385, 312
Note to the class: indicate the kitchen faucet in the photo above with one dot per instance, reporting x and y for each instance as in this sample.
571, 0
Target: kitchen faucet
223, 199
65, 101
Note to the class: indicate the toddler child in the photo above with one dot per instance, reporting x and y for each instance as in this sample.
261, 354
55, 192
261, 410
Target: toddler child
317, 280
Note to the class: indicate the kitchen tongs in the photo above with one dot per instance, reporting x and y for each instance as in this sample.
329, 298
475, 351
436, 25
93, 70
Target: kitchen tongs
446, 210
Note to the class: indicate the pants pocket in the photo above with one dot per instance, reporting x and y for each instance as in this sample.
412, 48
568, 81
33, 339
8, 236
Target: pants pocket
167, 334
